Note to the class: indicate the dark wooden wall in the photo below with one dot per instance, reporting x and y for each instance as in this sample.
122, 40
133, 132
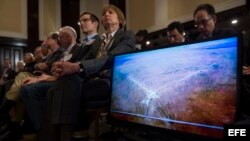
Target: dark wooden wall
33, 25
70, 10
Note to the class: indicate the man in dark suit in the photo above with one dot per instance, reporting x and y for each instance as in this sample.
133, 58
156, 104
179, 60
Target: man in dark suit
205, 22
63, 100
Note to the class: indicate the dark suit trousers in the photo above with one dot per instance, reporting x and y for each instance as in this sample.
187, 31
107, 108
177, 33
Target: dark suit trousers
62, 109
34, 98
63, 100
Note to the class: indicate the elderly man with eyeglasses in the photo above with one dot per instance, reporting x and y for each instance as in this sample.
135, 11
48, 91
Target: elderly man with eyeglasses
205, 22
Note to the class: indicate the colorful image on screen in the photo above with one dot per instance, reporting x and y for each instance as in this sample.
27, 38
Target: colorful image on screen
188, 88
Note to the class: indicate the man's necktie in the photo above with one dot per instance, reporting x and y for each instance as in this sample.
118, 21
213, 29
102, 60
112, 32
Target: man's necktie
104, 47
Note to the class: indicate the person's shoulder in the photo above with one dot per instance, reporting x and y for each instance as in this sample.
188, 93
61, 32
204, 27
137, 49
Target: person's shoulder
97, 37
224, 32
11, 70
124, 32
76, 45
129, 32
60, 50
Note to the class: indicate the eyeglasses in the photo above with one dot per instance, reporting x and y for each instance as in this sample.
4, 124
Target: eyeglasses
82, 21
202, 22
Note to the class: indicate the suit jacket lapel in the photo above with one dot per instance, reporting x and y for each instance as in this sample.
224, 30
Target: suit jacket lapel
96, 45
116, 39
74, 53
91, 50
96, 37
73, 49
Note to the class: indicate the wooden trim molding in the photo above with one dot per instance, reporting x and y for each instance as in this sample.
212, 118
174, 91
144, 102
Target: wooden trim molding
13, 41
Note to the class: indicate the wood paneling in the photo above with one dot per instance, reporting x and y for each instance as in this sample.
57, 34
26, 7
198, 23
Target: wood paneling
33, 25
13, 53
17, 55
70, 15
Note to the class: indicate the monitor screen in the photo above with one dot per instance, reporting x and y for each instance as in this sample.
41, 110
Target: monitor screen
191, 88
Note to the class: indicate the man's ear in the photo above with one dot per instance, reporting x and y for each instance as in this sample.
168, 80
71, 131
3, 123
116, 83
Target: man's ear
215, 18
96, 25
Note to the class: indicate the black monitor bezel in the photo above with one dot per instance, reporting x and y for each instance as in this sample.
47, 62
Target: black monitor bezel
166, 133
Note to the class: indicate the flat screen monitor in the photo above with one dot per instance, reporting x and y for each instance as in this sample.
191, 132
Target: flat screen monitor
188, 88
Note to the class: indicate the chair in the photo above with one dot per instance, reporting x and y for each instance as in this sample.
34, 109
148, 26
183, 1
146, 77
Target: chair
95, 101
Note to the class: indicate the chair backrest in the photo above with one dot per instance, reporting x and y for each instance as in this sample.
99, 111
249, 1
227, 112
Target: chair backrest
96, 93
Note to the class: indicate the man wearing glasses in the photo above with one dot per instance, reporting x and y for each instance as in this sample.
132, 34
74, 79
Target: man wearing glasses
205, 20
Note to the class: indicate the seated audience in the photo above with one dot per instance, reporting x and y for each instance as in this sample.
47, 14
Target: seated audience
20, 66
62, 107
45, 50
6, 74
95, 69
33, 99
55, 52
141, 38
38, 54
29, 61
205, 22
12, 97
176, 33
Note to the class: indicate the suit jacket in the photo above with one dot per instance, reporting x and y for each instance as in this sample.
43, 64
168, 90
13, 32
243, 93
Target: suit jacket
124, 41
53, 58
220, 32
30, 67
89, 51
11, 74
58, 54
74, 51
